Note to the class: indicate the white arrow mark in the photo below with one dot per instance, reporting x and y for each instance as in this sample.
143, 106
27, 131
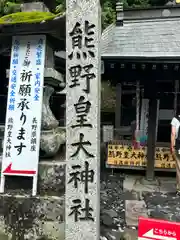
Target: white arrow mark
151, 234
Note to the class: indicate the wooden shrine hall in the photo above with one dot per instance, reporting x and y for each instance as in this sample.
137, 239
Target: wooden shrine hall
141, 57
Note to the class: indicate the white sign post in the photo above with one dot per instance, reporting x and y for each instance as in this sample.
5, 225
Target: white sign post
24, 107
83, 69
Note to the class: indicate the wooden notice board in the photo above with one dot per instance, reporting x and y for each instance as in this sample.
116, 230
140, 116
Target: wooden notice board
125, 156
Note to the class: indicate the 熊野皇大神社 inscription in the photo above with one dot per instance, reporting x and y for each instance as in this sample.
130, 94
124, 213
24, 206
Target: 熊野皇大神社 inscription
83, 120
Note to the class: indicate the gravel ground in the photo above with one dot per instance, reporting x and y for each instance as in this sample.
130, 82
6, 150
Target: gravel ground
112, 208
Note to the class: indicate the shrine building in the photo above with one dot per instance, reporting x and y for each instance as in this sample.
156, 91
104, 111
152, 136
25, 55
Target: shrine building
140, 56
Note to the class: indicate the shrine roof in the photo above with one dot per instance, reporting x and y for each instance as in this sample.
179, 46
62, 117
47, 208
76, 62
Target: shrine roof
142, 38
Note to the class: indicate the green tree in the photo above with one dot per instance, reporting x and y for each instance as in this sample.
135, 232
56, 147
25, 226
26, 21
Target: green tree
60, 6
108, 7
11, 6
108, 14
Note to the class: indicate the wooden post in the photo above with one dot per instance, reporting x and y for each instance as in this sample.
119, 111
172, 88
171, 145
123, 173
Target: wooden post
150, 84
137, 105
118, 109
151, 141
176, 90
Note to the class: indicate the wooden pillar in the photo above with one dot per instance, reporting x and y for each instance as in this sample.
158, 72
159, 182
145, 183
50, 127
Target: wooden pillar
137, 105
151, 141
118, 106
176, 90
150, 93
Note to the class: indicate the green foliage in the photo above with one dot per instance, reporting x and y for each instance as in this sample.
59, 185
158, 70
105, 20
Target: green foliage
60, 6
26, 17
7, 7
108, 7
108, 14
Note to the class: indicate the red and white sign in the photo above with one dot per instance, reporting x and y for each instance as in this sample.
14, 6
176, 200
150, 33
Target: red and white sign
24, 109
156, 229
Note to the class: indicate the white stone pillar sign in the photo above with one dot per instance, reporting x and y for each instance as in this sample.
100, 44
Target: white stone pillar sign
83, 68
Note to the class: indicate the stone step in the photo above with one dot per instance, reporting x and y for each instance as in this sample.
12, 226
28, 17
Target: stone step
51, 180
31, 218
139, 185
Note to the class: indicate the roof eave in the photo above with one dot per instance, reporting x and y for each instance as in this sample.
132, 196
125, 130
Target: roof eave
139, 58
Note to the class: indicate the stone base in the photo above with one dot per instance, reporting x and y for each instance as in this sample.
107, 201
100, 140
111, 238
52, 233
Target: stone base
129, 234
134, 209
139, 184
31, 218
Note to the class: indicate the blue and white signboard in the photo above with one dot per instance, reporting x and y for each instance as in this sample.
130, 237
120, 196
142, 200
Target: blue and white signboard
24, 108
